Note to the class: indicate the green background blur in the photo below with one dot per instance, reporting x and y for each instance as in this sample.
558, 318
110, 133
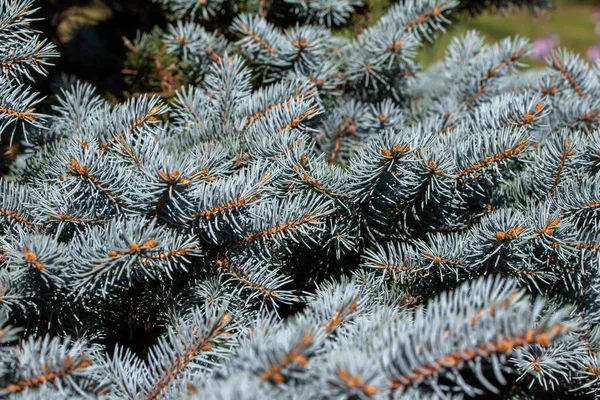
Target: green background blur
570, 20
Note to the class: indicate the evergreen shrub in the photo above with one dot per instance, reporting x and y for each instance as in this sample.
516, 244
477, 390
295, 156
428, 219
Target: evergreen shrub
297, 214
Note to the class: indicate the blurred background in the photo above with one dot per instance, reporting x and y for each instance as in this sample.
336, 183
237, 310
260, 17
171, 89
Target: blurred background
573, 24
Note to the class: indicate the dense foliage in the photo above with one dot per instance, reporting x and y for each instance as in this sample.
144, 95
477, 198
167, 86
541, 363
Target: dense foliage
308, 216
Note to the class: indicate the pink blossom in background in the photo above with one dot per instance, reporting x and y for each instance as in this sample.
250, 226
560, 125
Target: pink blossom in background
593, 52
543, 47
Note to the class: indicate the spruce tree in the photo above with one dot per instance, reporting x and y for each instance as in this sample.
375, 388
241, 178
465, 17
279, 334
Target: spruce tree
301, 214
